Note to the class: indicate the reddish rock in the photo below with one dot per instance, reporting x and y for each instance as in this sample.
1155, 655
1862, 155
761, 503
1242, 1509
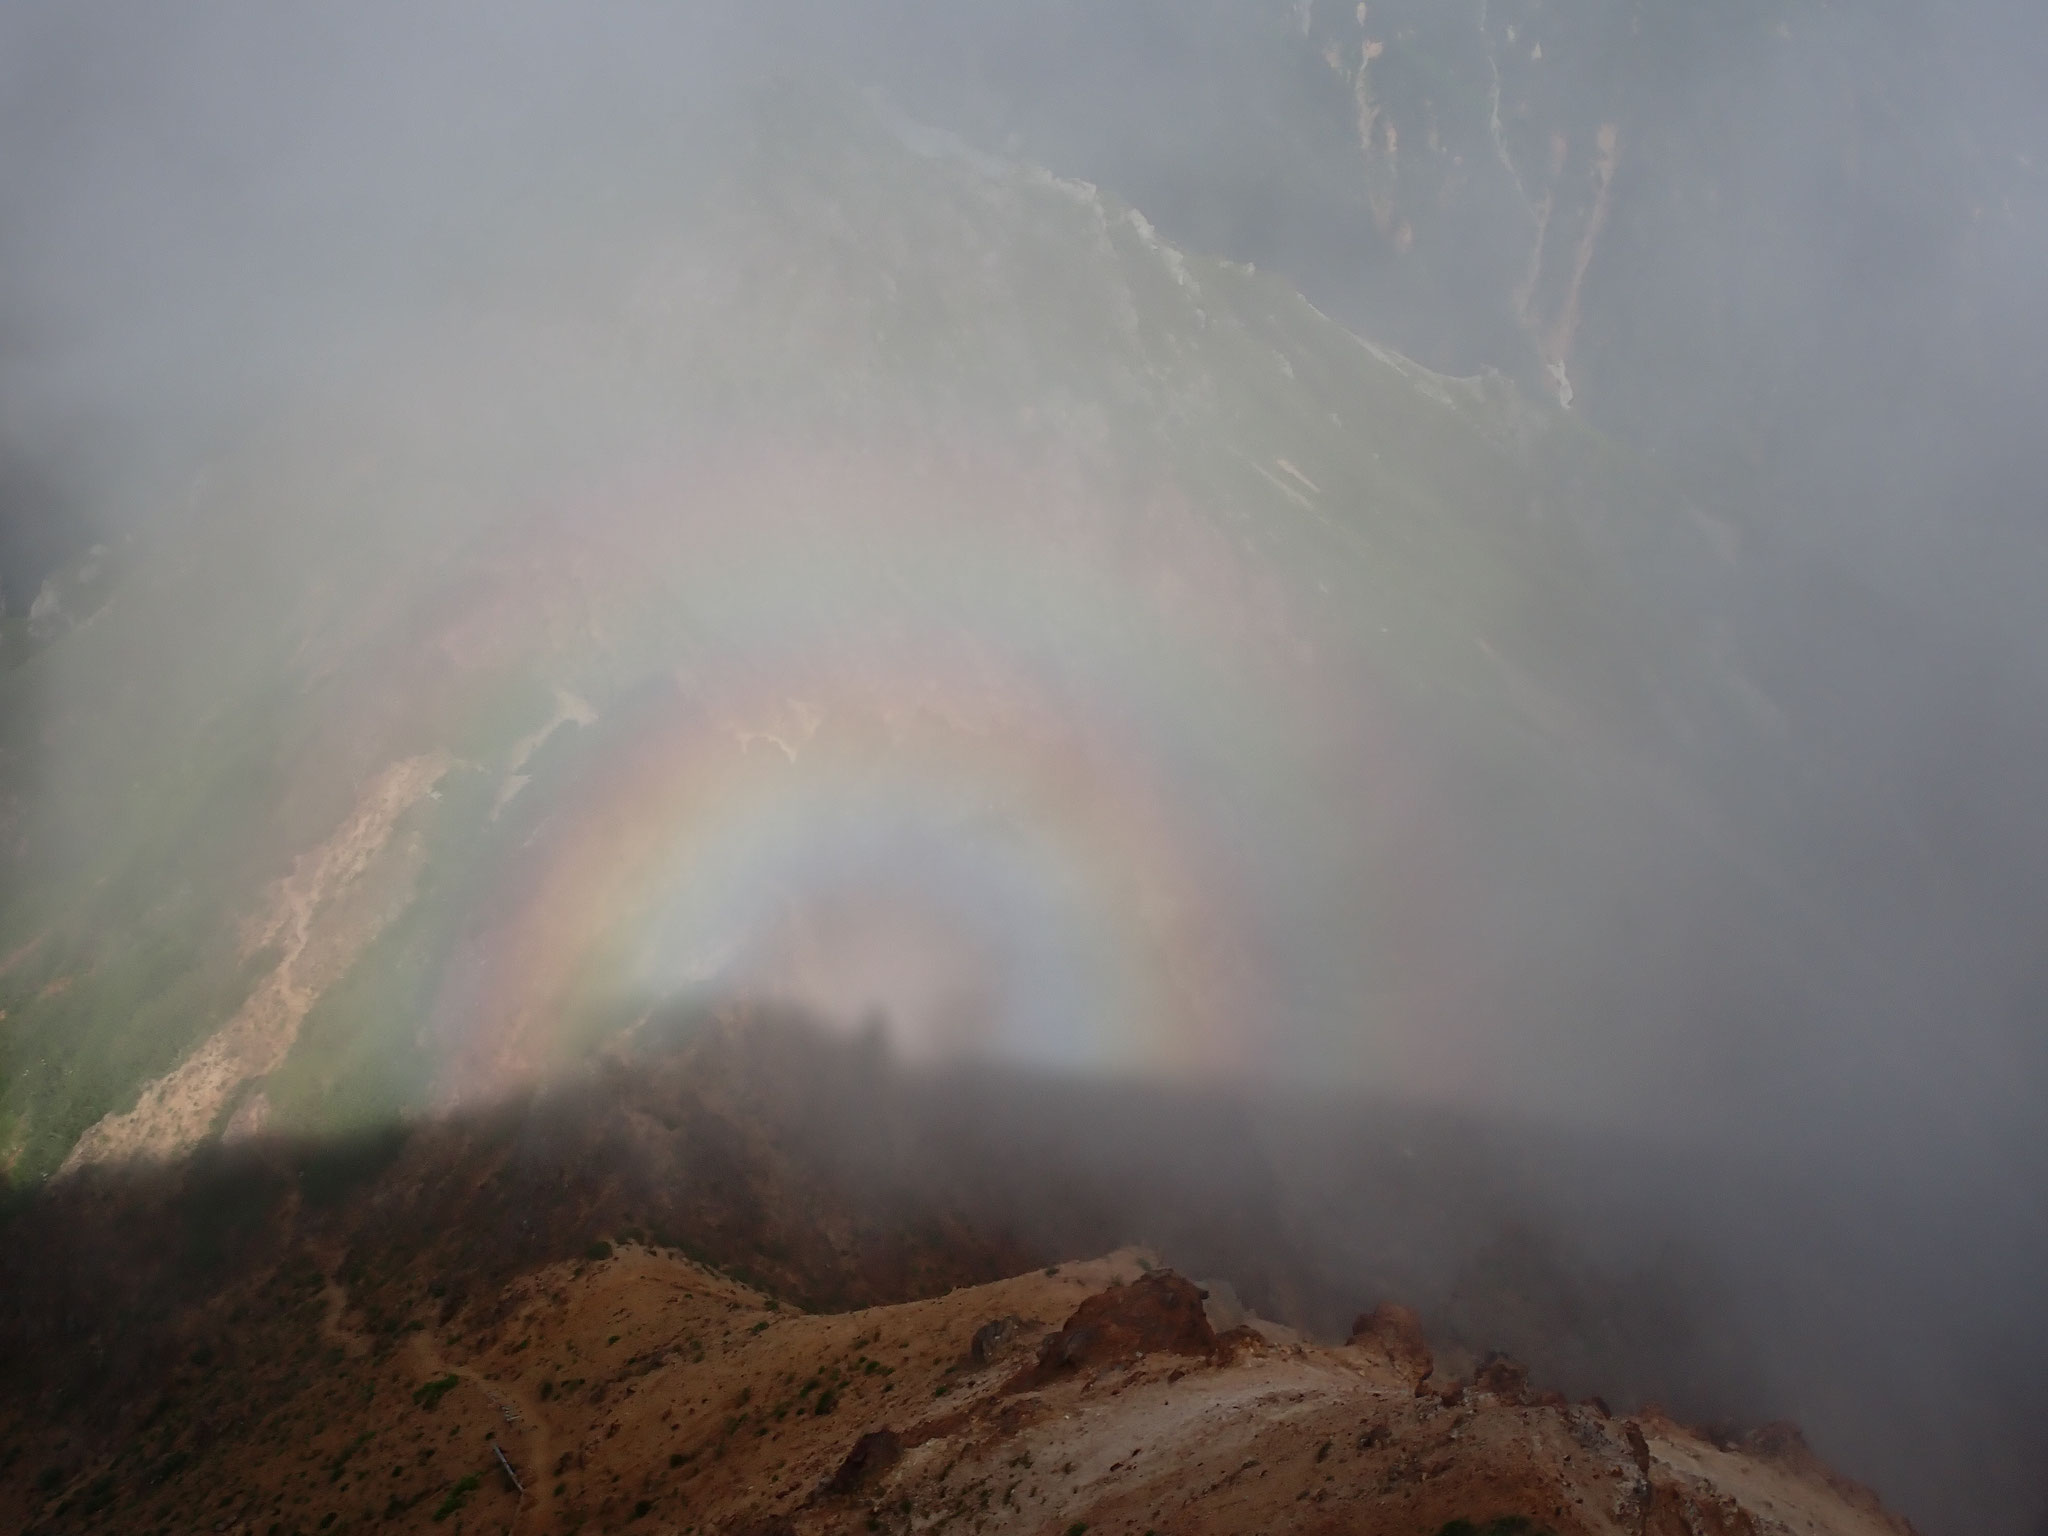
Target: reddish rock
1506, 1379
1241, 1340
1156, 1314
1638, 1447
1395, 1332
991, 1338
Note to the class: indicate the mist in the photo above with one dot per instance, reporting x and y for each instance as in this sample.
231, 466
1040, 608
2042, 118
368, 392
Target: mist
1479, 562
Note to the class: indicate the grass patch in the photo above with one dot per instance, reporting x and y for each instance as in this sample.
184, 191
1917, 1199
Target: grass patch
457, 1495
429, 1394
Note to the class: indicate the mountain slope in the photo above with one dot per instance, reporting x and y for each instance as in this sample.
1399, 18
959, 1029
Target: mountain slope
635, 1389
820, 544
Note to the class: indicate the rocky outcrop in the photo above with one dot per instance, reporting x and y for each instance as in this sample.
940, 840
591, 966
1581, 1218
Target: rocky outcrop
1394, 1333
1158, 1314
872, 1455
993, 1337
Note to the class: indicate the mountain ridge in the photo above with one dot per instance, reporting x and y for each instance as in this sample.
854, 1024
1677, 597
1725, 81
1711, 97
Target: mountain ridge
915, 1416
166, 1322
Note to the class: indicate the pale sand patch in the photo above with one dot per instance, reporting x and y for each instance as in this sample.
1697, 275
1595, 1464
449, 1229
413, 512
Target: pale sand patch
319, 918
1781, 1495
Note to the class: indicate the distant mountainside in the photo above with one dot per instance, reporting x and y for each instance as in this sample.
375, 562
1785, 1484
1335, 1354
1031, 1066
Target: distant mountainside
860, 519
1703, 214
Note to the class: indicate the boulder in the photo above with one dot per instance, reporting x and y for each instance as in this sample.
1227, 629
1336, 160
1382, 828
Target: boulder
1158, 1313
1395, 1333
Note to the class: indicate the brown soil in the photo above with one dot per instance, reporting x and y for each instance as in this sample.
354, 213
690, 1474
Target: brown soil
804, 1330
641, 1391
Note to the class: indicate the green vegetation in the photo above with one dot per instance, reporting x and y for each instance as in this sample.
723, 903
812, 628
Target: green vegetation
429, 1394
457, 1495
341, 1459
130, 958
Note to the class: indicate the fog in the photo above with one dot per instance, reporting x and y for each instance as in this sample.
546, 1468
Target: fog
538, 417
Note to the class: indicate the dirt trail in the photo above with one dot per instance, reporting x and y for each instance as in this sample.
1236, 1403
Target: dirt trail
531, 1454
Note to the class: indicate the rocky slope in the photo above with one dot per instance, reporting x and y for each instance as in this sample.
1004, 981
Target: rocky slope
229, 1325
834, 1175
636, 1388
